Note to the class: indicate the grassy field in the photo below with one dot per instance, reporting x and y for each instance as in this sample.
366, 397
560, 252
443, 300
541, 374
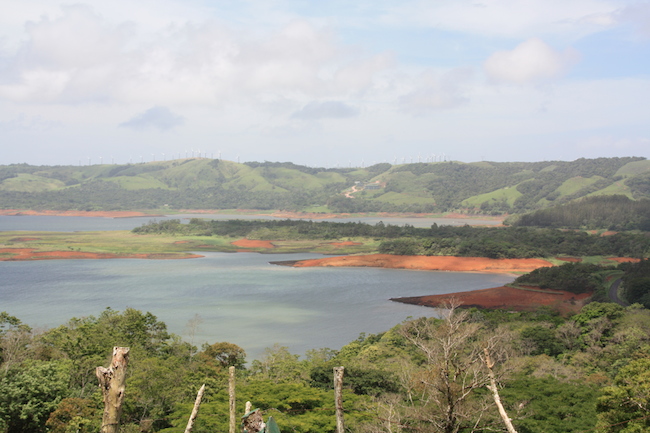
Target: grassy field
125, 242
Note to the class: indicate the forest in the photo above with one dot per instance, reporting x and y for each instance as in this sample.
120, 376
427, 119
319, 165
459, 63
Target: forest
587, 372
613, 212
467, 241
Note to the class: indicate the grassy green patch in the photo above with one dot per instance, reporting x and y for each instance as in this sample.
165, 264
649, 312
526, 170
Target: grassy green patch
125, 242
634, 168
618, 187
575, 184
507, 194
137, 182
30, 183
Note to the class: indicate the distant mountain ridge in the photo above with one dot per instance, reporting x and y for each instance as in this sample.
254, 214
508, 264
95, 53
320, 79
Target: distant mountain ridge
201, 183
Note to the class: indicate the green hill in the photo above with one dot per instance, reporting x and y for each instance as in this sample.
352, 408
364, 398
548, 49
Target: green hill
485, 187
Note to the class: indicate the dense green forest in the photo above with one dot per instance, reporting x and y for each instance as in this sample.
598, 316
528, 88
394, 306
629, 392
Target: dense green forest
492, 242
200, 183
588, 372
592, 278
614, 212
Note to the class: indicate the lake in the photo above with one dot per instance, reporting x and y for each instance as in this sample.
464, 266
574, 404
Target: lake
239, 297
70, 224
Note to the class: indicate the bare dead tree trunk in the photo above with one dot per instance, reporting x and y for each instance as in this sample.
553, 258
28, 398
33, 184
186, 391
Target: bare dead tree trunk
112, 381
338, 398
495, 393
231, 397
195, 410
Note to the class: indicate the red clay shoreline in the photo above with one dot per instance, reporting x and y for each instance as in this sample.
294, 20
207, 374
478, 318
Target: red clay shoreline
509, 298
506, 298
429, 263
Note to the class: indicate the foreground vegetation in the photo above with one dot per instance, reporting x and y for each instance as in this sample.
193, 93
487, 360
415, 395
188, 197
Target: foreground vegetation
201, 183
582, 373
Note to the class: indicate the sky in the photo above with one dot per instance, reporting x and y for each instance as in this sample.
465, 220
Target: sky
333, 83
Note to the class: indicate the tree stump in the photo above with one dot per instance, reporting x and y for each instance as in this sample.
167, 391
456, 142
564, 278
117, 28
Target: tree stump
112, 381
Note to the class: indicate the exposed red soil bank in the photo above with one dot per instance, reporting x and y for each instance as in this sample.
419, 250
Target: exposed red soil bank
430, 263
499, 297
19, 254
508, 298
105, 214
623, 259
252, 243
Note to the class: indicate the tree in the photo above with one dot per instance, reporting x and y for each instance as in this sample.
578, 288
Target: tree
624, 407
14, 340
74, 414
28, 394
279, 365
224, 354
453, 370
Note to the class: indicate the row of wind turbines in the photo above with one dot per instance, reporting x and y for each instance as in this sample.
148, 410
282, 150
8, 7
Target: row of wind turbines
442, 157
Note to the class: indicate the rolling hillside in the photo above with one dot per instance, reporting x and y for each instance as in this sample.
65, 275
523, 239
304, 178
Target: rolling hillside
200, 183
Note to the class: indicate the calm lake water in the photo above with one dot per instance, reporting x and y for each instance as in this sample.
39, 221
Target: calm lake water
70, 224
240, 297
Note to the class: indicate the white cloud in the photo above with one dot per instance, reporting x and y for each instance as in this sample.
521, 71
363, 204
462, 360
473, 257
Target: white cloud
161, 118
326, 110
530, 62
24, 122
434, 91
507, 18
80, 57
638, 14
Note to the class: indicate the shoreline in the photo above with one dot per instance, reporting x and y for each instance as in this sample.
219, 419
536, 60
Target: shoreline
427, 263
504, 298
